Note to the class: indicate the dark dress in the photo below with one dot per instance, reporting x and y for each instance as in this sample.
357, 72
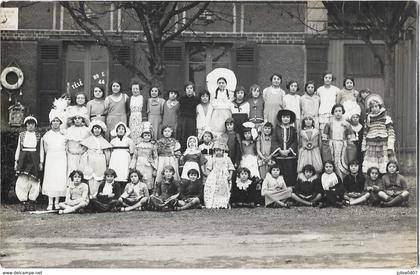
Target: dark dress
187, 125
233, 141
238, 116
28, 162
308, 189
334, 195
354, 184
189, 190
103, 203
164, 190
285, 138
244, 194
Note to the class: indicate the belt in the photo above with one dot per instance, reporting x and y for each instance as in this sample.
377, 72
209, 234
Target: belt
29, 149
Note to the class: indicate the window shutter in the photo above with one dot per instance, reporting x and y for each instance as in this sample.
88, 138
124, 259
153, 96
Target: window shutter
174, 61
118, 71
316, 63
245, 59
49, 76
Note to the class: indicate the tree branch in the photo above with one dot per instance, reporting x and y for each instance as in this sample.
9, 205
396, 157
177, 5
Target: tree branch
186, 25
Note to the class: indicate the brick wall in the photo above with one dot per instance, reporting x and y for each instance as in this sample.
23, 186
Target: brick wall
23, 53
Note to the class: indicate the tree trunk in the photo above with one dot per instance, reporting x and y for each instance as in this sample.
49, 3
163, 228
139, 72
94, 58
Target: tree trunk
389, 80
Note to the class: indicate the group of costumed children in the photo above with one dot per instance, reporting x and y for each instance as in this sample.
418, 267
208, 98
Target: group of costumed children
328, 147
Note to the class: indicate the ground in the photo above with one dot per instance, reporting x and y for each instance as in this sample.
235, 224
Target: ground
352, 237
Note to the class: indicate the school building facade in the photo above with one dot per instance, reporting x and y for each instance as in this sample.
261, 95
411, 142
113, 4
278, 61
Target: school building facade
254, 39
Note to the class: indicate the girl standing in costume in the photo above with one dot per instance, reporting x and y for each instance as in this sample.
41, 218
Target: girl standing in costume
155, 110
168, 150
115, 106
28, 164
256, 107
358, 130
145, 157
309, 103
291, 101
75, 134
240, 109
233, 142
96, 106
204, 112
97, 155
206, 146
273, 99
222, 106
122, 150
285, 142
249, 152
53, 144
336, 134
264, 149
309, 152
187, 114
327, 94
170, 111
78, 109
193, 158
77, 194
379, 137
348, 97
134, 109
219, 180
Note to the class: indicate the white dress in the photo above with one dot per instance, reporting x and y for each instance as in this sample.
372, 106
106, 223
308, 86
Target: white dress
55, 170
121, 156
203, 118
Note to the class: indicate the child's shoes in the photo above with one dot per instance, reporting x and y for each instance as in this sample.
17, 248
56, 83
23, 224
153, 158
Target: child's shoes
50, 207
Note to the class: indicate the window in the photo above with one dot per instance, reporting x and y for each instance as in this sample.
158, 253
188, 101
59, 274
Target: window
86, 67
360, 61
202, 59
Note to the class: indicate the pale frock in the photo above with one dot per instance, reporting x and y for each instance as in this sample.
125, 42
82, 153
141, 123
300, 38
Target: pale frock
203, 118
135, 121
121, 157
216, 189
221, 111
76, 157
273, 98
55, 170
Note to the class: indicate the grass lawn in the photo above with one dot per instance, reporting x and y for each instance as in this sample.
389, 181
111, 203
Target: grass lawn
300, 237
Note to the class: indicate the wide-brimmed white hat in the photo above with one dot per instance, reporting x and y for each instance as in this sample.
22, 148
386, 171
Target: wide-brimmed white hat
97, 122
217, 73
127, 130
28, 118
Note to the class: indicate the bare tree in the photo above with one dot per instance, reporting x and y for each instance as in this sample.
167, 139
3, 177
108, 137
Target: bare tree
384, 20
159, 22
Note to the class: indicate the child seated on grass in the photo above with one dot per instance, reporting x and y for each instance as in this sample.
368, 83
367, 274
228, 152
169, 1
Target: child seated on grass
373, 185
106, 199
135, 193
77, 194
244, 189
333, 191
190, 192
166, 192
308, 186
394, 187
354, 185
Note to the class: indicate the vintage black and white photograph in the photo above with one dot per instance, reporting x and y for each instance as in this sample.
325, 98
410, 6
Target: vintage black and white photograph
219, 134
